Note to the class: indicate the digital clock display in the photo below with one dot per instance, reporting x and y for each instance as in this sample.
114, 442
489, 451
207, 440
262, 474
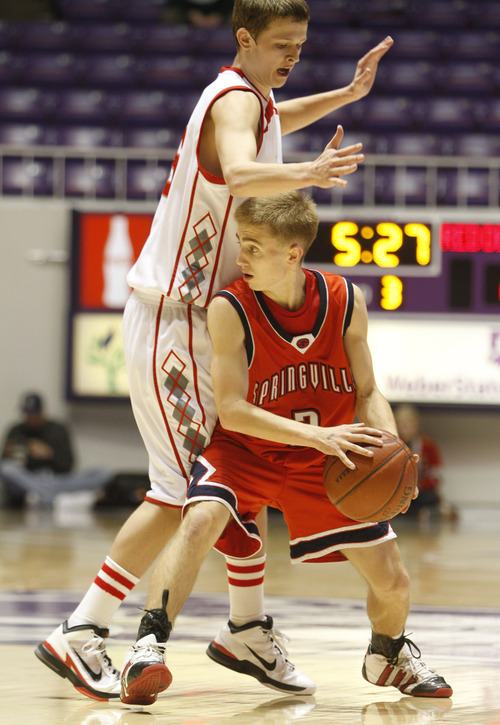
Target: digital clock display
375, 247
416, 264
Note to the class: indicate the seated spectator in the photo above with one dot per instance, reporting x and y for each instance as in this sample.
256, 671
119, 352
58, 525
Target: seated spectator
429, 500
38, 459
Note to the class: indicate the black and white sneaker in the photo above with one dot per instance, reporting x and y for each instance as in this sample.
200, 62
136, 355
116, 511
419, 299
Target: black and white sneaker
256, 649
144, 673
402, 668
79, 653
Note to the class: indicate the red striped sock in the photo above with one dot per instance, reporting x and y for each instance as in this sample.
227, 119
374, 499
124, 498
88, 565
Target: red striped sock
104, 596
246, 589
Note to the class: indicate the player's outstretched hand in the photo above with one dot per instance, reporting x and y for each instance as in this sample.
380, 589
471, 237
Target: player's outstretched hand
334, 162
366, 70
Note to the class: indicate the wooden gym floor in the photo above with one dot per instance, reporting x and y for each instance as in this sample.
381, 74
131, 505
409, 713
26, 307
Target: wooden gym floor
49, 557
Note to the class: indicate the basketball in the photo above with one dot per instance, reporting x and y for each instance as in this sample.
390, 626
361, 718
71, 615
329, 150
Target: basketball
379, 487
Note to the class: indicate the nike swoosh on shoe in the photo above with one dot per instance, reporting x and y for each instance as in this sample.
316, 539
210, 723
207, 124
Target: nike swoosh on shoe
270, 666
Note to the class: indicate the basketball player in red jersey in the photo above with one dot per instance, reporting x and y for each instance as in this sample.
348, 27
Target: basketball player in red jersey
231, 149
291, 368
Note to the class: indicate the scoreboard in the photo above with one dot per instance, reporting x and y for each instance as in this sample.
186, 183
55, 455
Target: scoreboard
415, 263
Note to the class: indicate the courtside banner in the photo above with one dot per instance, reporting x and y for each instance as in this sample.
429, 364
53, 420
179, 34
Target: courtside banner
437, 362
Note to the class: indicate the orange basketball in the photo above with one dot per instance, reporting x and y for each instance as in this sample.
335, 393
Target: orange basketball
379, 487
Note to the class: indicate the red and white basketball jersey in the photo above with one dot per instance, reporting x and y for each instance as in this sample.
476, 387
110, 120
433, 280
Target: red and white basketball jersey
191, 251
297, 364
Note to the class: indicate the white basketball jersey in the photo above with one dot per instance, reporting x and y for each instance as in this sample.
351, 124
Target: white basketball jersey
191, 251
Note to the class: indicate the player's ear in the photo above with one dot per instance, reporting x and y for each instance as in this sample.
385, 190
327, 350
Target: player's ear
295, 254
244, 38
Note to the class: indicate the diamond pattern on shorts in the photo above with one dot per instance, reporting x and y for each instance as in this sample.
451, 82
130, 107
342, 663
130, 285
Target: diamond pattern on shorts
184, 413
197, 260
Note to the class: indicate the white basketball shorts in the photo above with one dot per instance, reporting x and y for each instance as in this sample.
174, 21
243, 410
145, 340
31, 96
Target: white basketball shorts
167, 352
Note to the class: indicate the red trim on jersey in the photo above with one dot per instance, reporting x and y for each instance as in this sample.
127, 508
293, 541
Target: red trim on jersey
195, 368
118, 577
109, 589
219, 250
208, 176
157, 391
183, 236
161, 503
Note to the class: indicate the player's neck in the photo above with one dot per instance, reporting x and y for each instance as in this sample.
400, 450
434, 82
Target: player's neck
252, 77
291, 294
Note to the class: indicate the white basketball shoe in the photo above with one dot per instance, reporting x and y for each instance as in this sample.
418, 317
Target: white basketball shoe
256, 649
79, 653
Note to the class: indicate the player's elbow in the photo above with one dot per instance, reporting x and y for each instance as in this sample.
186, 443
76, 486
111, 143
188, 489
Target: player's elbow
235, 181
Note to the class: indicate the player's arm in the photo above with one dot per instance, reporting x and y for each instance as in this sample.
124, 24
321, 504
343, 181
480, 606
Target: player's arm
229, 371
300, 112
236, 119
371, 406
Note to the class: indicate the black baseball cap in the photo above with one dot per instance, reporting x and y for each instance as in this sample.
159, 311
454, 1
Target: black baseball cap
32, 403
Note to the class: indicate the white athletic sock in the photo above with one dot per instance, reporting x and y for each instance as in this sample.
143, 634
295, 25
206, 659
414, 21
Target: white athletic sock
246, 589
104, 596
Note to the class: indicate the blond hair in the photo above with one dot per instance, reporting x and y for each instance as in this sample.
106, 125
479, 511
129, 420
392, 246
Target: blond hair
256, 15
291, 216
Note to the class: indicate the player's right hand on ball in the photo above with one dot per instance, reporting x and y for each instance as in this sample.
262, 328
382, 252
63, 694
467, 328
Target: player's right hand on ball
334, 162
354, 437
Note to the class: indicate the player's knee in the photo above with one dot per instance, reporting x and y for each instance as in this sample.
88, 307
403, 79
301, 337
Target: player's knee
204, 521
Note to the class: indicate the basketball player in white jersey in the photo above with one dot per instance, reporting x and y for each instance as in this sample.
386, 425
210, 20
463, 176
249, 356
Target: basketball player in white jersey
231, 149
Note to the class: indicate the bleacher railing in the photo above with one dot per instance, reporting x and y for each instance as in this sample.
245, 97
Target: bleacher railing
126, 174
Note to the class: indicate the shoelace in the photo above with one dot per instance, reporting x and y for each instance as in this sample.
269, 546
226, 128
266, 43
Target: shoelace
411, 661
148, 651
95, 647
279, 641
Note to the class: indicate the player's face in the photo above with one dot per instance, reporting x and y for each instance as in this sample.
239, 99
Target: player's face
273, 54
263, 260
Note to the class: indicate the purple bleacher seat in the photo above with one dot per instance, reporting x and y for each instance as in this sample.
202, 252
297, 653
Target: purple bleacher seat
170, 72
49, 68
11, 68
329, 73
480, 45
416, 43
440, 115
159, 138
403, 185
443, 14
471, 78
164, 39
339, 42
407, 76
89, 136
89, 178
104, 70
146, 179
486, 14
408, 144
108, 37
9, 35
145, 11
85, 10
155, 107
488, 114
86, 106
56, 36
26, 104
386, 112
26, 134
467, 187
22, 176
477, 144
